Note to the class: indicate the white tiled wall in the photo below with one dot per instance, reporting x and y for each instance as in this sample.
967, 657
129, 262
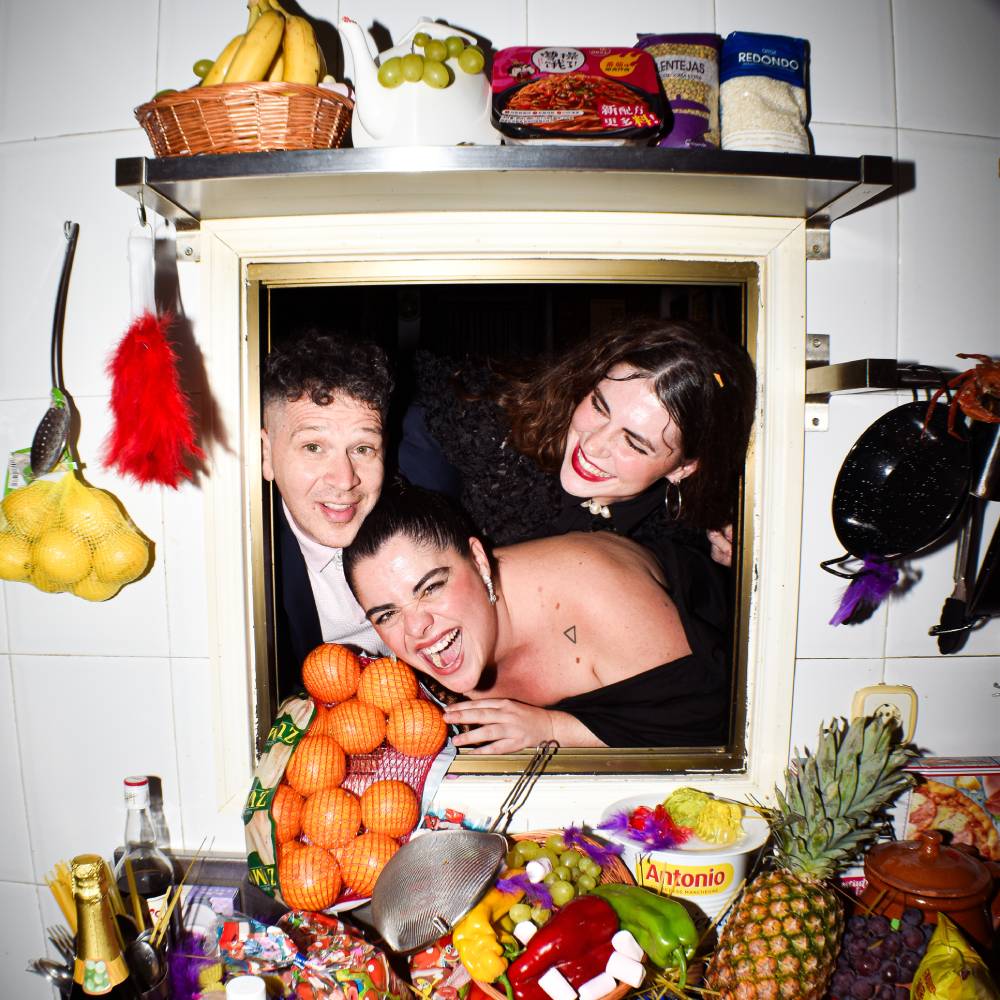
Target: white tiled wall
92, 692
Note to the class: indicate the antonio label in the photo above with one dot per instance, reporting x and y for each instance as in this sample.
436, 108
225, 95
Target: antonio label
685, 880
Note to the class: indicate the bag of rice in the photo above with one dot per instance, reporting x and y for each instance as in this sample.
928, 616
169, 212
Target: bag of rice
688, 66
762, 93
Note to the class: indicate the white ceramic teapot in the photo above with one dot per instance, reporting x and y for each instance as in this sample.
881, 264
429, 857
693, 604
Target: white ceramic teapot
414, 113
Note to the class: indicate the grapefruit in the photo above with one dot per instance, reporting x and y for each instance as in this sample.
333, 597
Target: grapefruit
61, 556
331, 672
386, 682
28, 508
362, 860
416, 728
357, 726
331, 817
92, 514
286, 811
92, 589
309, 878
120, 557
317, 762
15, 556
389, 807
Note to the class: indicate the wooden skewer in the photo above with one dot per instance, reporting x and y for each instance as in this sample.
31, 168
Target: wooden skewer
140, 920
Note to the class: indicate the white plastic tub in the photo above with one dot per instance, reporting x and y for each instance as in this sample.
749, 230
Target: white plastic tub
707, 875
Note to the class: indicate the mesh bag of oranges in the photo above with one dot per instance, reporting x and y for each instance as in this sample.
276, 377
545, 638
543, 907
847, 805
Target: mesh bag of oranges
340, 781
66, 536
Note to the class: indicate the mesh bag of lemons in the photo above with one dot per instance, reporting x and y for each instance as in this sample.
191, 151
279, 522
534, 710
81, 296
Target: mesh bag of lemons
66, 536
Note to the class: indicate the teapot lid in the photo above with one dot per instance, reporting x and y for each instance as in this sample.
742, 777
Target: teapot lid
926, 866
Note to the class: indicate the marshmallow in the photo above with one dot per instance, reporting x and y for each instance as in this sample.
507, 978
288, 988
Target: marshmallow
597, 987
626, 970
525, 931
555, 984
537, 870
625, 943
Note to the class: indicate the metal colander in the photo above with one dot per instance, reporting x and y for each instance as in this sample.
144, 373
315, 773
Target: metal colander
432, 881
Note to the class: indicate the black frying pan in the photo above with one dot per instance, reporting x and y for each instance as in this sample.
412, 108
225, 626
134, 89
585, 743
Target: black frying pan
900, 486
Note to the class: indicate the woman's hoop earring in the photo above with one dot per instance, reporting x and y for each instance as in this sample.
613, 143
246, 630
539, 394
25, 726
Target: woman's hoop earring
673, 500
488, 580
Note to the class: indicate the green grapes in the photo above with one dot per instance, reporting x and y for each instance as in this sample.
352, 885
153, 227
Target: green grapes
454, 45
421, 38
554, 842
561, 872
436, 74
520, 912
390, 73
471, 60
585, 883
540, 915
562, 892
202, 66
436, 49
528, 849
412, 67
570, 858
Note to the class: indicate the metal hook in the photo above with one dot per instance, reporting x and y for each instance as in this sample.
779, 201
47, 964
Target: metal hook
142, 210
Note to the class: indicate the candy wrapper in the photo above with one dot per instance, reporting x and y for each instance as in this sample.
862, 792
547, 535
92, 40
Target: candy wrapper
315, 957
437, 973
951, 969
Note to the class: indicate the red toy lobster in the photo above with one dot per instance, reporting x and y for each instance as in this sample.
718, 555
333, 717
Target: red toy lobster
978, 397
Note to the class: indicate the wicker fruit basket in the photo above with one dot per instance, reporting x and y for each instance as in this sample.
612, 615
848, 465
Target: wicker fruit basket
615, 871
245, 118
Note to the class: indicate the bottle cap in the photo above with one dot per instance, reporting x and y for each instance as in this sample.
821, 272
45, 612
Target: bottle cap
137, 791
246, 988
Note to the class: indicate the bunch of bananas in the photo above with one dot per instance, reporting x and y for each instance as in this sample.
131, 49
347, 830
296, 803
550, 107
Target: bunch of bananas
275, 46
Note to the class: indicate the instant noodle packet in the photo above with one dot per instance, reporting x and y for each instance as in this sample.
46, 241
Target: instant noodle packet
564, 94
951, 969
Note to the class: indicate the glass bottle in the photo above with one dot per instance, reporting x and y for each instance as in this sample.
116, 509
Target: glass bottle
151, 868
99, 968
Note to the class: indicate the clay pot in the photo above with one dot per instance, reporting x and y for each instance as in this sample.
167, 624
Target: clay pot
933, 877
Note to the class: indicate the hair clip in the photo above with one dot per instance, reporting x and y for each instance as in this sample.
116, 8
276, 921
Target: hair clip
718, 378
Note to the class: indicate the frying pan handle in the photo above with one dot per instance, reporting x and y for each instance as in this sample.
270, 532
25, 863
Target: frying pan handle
828, 565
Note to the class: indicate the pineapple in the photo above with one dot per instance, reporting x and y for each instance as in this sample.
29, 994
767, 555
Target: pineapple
782, 938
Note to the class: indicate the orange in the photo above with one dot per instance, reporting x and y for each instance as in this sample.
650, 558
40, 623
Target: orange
331, 672
389, 807
317, 762
416, 727
362, 860
356, 726
386, 682
319, 719
309, 878
286, 811
285, 849
331, 817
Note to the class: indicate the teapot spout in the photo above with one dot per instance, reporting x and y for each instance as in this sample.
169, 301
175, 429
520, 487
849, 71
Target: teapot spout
370, 96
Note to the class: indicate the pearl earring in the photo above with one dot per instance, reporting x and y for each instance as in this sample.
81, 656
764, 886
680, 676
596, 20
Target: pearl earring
488, 580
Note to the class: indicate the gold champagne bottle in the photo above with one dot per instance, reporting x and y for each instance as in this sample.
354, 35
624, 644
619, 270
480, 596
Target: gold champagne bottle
99, 969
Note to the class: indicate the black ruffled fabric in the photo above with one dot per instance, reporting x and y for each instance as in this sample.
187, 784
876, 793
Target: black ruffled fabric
460, 447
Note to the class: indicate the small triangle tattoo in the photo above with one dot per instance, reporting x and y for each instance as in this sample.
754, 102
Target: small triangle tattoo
570, 634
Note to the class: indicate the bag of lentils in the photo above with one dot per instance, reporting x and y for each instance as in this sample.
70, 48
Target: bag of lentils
762, 93
688, 66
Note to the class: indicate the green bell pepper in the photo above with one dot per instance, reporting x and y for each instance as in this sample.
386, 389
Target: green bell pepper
661, 926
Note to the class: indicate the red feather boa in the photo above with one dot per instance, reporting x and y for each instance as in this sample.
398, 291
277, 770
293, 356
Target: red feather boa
152, 435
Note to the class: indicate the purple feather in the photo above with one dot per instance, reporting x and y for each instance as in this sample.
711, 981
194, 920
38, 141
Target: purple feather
870, 586
575, 837
536, 892
186, 961
655, 830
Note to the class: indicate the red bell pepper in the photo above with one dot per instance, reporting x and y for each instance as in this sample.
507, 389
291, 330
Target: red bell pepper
572, 940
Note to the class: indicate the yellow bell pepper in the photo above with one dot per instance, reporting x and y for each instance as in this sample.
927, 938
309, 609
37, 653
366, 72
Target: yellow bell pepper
476, 939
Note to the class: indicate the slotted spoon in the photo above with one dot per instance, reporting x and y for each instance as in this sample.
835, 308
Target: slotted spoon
432, 881
53, 429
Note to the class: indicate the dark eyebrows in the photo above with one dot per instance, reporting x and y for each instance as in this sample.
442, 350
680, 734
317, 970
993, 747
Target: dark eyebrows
638, 438
417, 587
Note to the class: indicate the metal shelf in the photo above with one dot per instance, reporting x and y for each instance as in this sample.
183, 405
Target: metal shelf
819, 189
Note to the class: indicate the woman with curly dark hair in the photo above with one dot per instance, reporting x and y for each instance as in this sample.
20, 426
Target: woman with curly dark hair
642, 430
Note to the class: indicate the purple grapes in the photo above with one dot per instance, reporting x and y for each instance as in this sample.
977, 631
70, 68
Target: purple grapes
877, 956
